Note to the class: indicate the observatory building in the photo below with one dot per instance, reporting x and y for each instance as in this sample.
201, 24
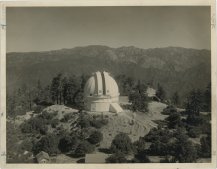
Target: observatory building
101, 93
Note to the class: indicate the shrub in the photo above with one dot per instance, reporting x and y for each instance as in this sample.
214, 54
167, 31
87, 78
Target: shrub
95, 137
83, 148
48, 144
160, 93
47, 115
161, 141
116, 158
54, 123
174, 120
139, 145
169, 110
44, 103
159, 134
194, 132
122, 143
159, 148
67, 143
34, 125
141, 157
98, 123
195, 120
206, 128
38, 109
140, 152
104, 121
26, 145
206, 146
186, 152
66, 117
84, 121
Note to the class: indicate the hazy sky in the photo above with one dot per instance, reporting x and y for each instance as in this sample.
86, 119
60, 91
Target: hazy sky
50, 28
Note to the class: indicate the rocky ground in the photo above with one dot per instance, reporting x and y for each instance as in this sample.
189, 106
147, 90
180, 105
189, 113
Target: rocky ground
135, 124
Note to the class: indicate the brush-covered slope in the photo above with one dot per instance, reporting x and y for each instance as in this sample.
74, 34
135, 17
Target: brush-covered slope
177, 69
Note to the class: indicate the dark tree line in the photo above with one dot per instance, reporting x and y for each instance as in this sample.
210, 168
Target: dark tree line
161, 93
25, 99
68, 90
62, 90
198, 101
138, 98
125, 84
176, 99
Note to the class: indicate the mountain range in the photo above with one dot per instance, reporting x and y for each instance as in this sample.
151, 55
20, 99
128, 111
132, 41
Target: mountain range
175, 68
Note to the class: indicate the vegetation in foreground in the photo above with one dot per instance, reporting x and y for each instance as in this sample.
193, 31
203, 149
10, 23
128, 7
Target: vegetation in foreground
174, 139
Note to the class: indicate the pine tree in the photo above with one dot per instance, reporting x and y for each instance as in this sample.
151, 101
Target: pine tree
39, 92
160, 93
175, 98
185, 150
194, 102
207, 98
73, 89
65, 89
56, 89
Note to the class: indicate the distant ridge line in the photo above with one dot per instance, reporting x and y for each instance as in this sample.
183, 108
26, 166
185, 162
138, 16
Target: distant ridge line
91, 46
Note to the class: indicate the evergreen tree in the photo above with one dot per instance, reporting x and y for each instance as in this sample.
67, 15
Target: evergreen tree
38, 93
56, 89
176, 99
65, 88
47, 95
83, 80
128, 85
206, 146
194, 102
29, 98
139, 101
11, 106
141, 88
174, 120
138, 98
185, 150
160, 93
207, 98
73, 88
125, 84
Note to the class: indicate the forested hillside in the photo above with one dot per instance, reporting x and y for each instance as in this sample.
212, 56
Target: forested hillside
45, 105
176, 69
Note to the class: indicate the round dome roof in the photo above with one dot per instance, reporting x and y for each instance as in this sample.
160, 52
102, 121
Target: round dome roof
101, 84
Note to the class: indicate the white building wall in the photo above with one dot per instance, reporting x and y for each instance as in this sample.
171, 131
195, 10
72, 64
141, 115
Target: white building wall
95, 98
100, 107
99, 104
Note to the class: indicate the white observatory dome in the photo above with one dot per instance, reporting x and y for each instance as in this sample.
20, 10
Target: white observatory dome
101, 83
101, 93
